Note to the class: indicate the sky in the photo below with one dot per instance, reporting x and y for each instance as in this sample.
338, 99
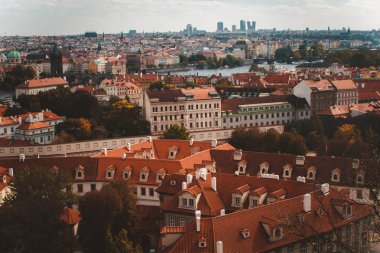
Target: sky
57, 17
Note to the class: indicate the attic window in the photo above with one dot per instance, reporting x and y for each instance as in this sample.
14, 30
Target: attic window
125, 175
360, 177
245, 233
202, 243
349, 211
237, 201
159, 177
255, 202
277, 233
173, 182
109, 174
335, 177
310, 175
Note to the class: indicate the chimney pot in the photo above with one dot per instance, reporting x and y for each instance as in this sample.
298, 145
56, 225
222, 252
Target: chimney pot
184, 185
307, 203
213, 183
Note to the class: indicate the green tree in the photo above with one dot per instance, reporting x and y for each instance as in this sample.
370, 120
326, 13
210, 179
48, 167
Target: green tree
156, 86
12, 111
18, 75
121, 243
176, 132
29, 103
30, 216
270, 141
106, 215
284, 53
80, 128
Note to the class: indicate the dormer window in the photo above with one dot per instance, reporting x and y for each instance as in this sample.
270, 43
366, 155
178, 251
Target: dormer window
360, 177
311, 173
173, 152
349, 211
110, 172
277, 233
202, 243
144, 174
127, 172
79, 172
335, 176
4, 179
264, 168
287, 171
242, 166
245, 233
160, 175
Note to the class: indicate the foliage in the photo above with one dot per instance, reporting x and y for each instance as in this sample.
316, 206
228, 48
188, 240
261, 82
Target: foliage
79, 129
16, 76
362, 58
12, 111
284, 53
255, 68
176, 132
156, 86
30, 217
106, 215
120, 243
271, 141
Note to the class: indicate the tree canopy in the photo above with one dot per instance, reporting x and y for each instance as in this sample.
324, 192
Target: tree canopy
16, 76
176, 132
109, 220
30, 216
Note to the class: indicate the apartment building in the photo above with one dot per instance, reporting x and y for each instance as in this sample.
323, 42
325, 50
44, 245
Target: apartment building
195, 109
122, 89
263, 111
33, 87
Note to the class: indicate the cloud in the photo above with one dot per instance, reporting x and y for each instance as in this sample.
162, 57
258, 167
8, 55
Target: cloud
77, 16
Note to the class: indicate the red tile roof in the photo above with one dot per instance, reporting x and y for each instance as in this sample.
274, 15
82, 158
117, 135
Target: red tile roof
55, 81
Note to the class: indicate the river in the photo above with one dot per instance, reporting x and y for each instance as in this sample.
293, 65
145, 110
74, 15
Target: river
229, 71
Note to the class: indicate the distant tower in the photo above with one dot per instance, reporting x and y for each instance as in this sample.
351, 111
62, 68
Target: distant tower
56, 61
121, 36
242, 25
219, 26
103, 36
189, 30
254, 26
234, 28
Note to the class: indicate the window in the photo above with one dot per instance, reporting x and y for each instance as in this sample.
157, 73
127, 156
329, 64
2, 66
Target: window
125, 175
142, 191
182, 221
359, 194
151, 192
80, 188
277, 233
171, 221
184, 202
255, 202
191, 202
93, 187
303, 247
237, 201
109, 174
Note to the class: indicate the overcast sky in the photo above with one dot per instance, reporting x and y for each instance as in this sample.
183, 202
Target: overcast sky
48, 17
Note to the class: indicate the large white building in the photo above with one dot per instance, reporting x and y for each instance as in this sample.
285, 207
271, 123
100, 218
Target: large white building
263, 111
195, 109
33, 87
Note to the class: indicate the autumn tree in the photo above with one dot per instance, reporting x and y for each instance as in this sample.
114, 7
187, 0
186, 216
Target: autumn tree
19, 74
30, 216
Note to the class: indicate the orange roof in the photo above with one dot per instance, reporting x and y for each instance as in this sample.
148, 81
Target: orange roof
32, 125
70, 216
43, 82
344, 84
199, 93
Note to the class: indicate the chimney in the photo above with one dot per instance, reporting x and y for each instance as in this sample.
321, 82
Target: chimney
22, 157
219, 247
214, 143
189, 178
19, 120
236, 173
213, 183
300, 160
191, 142
325, 188
301, 179
124, 156
10, 172
149, 138
104, 151
307, 203
40, 116
1, 120
222, 212
198, 220
129, 146
238, 154
184, 186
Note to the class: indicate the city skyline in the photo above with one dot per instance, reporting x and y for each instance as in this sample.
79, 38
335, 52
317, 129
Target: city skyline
21, 17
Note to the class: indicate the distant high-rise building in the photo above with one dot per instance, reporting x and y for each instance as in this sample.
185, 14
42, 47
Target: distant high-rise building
249, 27
234, 28
242, 25
132, 32
219, 26
189, 30
254, 26
56, 66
